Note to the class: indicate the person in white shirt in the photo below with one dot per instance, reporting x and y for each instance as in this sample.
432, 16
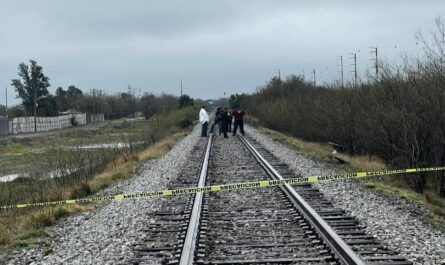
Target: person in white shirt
204, 120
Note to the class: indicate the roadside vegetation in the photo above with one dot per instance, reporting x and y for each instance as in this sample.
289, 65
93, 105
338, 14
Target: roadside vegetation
397, 117
325, 152
387, 185
79, 162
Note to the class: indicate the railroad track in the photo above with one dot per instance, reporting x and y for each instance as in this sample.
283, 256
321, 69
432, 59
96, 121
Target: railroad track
274, 225
166, 230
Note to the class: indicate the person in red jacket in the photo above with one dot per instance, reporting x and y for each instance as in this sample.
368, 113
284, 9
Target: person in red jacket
238, 115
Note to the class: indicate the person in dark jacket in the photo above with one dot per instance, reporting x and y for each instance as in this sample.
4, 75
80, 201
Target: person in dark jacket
238, 115
219, 115
225, 120
216, 117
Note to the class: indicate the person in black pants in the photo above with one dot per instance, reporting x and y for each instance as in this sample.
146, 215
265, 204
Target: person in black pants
238, 115
225, 119
229, 125
218, 119
204, 120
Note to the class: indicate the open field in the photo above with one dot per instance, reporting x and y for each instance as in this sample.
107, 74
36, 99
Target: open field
85, 170
38, 164
27, 152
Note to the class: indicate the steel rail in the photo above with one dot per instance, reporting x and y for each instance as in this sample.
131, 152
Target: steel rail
188, 249
344, 253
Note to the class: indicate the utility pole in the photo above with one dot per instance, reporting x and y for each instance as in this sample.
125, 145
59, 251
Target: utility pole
341, 71
279, 75
354, 64
376, 61
35, 109
181, 87
101, 96
315, 82
303, 74
6, 107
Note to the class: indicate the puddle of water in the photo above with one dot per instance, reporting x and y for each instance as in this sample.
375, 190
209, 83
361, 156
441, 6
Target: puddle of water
52, 174
105, 146
63, 172
9, 178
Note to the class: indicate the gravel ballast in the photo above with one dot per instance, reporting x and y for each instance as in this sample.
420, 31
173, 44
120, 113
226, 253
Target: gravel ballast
107, 234
399, 224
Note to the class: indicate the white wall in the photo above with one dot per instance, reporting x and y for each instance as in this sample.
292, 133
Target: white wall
26, 124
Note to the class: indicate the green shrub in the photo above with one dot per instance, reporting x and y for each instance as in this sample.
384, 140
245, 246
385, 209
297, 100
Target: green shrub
73, 121
40, 219
81, 190
398, 119
31, 233
185, 123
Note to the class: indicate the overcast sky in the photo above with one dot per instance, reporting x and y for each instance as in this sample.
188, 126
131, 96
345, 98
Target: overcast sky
214, 46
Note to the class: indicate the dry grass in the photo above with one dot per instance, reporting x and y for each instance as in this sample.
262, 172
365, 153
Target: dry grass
436, 205
125, 167
325, 152
311, 149
11, 149
161, 148
362, 162
23, 227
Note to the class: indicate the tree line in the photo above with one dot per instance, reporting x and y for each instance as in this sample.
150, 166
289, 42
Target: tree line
32, 88
398, 116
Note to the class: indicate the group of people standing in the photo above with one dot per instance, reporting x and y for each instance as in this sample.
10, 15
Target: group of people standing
223, 118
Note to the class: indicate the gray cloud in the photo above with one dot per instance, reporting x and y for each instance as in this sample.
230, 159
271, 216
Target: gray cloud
215, 46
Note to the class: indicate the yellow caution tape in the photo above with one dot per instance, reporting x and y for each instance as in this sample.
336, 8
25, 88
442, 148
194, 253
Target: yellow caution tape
227, 187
